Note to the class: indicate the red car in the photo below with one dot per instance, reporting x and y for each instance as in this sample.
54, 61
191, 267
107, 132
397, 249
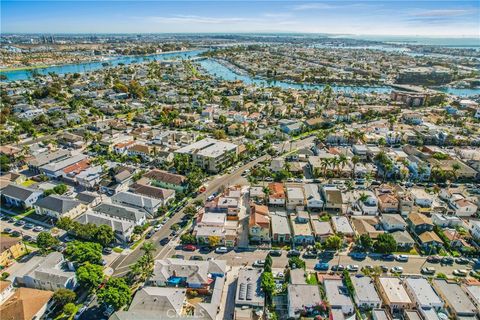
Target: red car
189, 247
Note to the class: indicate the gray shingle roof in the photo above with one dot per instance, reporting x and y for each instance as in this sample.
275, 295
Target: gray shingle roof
57, 203
19, 192
119, 212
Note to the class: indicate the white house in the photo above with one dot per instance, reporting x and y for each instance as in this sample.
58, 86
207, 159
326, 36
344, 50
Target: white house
365, 294
421, 198
313, 197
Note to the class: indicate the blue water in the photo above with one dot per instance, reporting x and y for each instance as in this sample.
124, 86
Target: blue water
93, 66
225, 73
212, 67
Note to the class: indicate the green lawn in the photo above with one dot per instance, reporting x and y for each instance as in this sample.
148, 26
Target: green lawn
28, 183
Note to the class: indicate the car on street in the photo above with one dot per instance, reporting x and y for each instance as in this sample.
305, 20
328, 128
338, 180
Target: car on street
309, 255
189, 247
428, 270
367, 268
388, 257
353, 268
293, 253
196, 258
29, 226
164, 241
358, 255
462, 261
384, 268
460, 272
447, 260
401, 258
150, 234
259, 263
158, 227
38, 229
434, 259
321, 266
396, 269
221, 250
107, 250
338, 267
275, 253
19, 223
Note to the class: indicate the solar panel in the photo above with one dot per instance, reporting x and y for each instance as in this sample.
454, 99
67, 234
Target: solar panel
242, 292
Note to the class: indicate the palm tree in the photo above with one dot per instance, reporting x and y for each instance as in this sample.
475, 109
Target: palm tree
148, 248
342, 161
355, 160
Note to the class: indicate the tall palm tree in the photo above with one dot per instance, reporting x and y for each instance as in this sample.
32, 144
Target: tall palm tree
355, 160
342, 161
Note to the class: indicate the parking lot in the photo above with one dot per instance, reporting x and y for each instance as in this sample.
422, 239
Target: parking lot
21, 227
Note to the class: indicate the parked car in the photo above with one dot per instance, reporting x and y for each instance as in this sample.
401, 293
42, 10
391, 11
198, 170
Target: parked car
309, 255
196, 258
15, 233
164, 241
8, 230
388, 257
107, 250
189, 247
462, 261
29, 226
396, 269
275, 253
150, 234
368, 268
259, 263
19, 222
428, 270
401, 258
221, 250
352, 268
178, 256
447, 260
321, 266
460, 272
38, 229
434, 259
358, 255
293, 253
338, 267
384, 268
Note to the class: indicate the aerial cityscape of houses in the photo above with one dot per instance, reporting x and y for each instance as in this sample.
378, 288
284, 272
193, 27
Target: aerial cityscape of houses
155, 188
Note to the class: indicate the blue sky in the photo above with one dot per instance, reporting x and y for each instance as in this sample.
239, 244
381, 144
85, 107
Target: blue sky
421, 18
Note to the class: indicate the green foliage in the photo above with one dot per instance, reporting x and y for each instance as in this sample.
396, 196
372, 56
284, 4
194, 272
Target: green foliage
69, 309
333, 242
4, 275
268, 283
90, 275
348, 283
4, 163
82, 252
46, 241
440, 156
365, 241
63, 296
385, 243
115, 293
102, 234
60, 189
140, 229
188, 238
296, 263
268, 264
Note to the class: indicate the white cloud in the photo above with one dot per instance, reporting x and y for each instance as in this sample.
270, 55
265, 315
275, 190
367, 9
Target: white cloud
313, 6
444, 13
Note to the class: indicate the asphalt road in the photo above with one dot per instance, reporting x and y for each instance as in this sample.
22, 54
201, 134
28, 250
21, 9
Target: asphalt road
123, 262
238, 259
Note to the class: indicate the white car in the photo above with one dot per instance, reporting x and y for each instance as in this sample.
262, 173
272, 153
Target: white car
158, 227
460, 272
396, 270
428, 270
38, 229
259, 263
352, 268
221, 250
401, 258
